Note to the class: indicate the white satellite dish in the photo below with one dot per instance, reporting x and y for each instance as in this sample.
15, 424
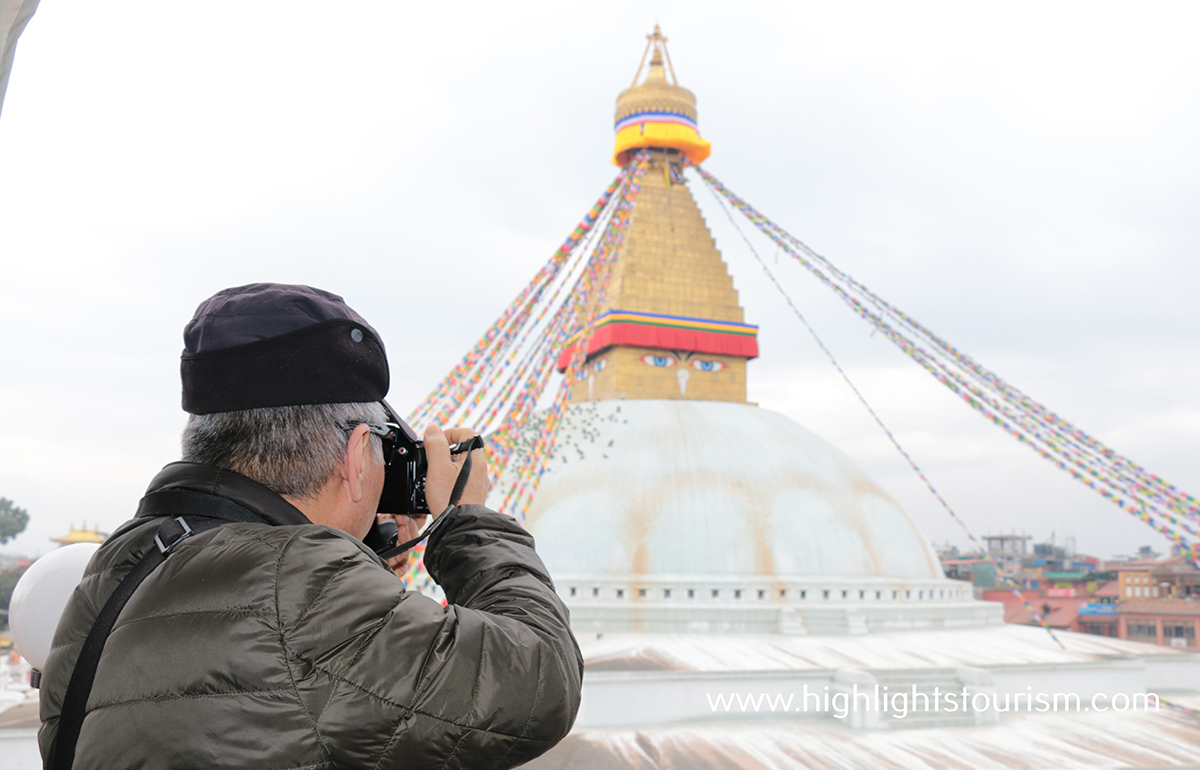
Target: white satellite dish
41, 595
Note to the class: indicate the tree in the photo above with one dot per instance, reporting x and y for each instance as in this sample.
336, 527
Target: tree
8, 581
12, 520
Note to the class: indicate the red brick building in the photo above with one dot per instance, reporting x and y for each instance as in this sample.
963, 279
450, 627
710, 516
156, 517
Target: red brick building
1174, 622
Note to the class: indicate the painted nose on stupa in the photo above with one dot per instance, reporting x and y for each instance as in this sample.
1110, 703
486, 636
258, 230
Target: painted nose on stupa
658, 113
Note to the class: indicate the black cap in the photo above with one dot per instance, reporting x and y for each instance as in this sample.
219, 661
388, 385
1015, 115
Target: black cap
274, 344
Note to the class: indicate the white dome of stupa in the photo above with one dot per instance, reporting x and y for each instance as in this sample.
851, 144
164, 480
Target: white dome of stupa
678, 515
713, 488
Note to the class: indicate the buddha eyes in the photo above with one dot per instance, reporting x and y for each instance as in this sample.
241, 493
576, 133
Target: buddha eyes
704, 365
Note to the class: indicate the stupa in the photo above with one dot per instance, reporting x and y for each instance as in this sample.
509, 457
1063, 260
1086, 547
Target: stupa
672, 504
709, 548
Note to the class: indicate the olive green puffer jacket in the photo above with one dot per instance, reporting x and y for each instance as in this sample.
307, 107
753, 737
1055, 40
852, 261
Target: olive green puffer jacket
290, 645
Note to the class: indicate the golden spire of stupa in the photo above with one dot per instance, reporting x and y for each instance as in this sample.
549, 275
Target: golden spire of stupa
671, 326
657, 113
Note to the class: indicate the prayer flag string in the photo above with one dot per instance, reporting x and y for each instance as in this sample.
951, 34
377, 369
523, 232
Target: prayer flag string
1006, 578
498, 386
1165, 507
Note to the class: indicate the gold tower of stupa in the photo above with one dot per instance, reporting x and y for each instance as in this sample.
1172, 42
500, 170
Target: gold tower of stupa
670, 326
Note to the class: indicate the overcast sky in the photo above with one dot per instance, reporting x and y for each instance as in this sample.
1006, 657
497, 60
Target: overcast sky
1023, 178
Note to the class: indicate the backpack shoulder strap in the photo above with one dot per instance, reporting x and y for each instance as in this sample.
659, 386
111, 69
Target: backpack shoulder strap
70, 721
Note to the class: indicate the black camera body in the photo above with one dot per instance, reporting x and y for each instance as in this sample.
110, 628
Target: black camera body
404, 481
403, 493
403, 485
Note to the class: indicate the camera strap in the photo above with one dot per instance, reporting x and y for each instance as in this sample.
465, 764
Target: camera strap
460, 486
171, 532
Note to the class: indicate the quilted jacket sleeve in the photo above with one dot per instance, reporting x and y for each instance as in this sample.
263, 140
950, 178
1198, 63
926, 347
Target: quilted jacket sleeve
392, 679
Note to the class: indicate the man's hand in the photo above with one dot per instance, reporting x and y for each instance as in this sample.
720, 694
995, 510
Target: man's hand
444, 468
410, 527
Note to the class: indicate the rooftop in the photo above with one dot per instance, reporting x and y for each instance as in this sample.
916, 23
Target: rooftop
1060, 741
81, 534
1160, 607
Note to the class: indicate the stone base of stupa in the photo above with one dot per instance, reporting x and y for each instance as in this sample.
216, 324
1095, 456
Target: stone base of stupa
790, 606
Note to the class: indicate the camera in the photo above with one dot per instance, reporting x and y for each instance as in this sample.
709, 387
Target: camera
405, 467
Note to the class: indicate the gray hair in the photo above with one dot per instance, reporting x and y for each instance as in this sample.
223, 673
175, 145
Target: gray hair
293, 450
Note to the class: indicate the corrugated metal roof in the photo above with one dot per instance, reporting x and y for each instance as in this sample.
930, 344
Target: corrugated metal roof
1075, 741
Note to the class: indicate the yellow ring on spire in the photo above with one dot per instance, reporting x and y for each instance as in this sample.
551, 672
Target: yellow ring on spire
676, 136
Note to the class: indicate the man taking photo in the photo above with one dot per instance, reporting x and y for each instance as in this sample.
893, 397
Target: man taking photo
263, 633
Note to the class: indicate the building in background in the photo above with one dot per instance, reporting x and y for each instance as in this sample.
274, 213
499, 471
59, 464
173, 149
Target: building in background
81, 534
1147, 598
